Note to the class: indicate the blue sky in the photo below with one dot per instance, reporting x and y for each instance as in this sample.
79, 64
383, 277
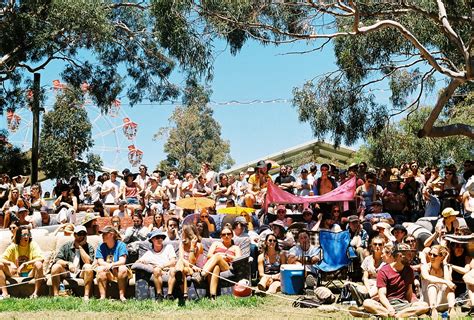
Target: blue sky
254, 130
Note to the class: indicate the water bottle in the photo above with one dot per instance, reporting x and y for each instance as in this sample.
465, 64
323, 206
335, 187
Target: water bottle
62, 288
444, 315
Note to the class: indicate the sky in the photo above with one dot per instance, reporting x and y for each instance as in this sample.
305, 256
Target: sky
254, 130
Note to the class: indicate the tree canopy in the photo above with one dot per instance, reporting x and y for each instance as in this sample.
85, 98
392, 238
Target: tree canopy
405, 46
398, 144
12, 159
104, 43
66, 138
194, 136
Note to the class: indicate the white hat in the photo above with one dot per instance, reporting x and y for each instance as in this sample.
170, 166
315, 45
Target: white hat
79, 228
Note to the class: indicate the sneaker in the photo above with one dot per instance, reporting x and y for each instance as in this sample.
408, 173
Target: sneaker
159, 298
310, 281
356, 295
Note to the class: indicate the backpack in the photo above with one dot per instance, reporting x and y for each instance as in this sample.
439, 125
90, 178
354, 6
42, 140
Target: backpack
306, 302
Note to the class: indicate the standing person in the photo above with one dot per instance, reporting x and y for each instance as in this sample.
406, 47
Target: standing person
285, 181
91, 192
395, 288
111, 189
76, 257
304, 184
142, 178
22, 258
19, 182
111, 256
325, 183
209, 174
130, 190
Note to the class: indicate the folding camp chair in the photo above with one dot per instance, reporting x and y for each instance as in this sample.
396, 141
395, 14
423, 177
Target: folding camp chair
335, 260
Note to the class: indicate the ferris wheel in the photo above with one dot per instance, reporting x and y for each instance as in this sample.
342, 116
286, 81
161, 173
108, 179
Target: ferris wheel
113, 132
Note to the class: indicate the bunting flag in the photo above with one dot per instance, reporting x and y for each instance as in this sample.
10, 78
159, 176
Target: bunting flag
345, 192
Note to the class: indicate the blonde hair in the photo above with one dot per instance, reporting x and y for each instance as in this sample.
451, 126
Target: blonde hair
442, 250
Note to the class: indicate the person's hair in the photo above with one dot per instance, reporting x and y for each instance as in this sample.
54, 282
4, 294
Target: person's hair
172, 219
10, 195
18, 234
205, 230
301, 232
138, 214
154, 221
119, 221
264, 245
37, 186
379, 238
231, 231
190, 231
442, 250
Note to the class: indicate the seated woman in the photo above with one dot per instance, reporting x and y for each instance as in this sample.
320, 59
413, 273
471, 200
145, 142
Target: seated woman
437, 285
158, 222
111, 256
326, 221
371, 266
460, 261
22, 258
14, 200
191, 259
66, 206
220, 257
117, 224
285, 239
161, 257
269, 262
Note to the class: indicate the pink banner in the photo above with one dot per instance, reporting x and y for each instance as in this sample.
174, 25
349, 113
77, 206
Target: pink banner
345, 192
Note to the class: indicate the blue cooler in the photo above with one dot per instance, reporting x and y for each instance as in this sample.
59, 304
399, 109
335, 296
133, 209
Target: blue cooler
292, 278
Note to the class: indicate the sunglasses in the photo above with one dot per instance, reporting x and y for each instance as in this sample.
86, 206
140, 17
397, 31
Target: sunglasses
25, 235
449, 173
336, 210
226, 234
271, 240
13, 228
377, 244
410, 241
206, 216
172, 225
433, 255
82, 234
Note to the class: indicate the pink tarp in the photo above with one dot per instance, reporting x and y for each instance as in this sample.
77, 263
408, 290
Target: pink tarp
344, 192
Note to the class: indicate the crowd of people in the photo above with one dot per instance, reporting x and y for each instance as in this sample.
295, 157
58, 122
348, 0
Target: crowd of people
391, 274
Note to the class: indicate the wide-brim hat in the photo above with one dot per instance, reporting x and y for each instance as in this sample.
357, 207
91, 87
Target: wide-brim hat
447, 212
278, 223
383, 225
110, 229
88, 217
157, 233
352, 165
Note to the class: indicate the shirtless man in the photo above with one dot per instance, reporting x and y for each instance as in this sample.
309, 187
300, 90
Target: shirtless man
325, 183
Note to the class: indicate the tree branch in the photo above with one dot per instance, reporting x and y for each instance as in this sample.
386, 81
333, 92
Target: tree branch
440, 103
451, 130
443, 18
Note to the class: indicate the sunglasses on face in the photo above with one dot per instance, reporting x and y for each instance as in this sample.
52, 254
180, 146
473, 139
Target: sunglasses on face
25, 235
410, 241
226, 234
271, 240
172, 226
13, 228
378, 244
433, 255
449, 173
205, 216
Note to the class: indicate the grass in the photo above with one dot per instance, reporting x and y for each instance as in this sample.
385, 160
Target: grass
135, 306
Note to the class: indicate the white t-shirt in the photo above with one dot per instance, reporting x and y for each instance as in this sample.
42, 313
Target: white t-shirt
159, 258
111, 196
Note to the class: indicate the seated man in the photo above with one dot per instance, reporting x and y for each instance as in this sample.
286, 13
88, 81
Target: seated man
359, 237
377, 215
395, 288
22, 258
74, 256
306, 254
111, 256
137, 232
45, 218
